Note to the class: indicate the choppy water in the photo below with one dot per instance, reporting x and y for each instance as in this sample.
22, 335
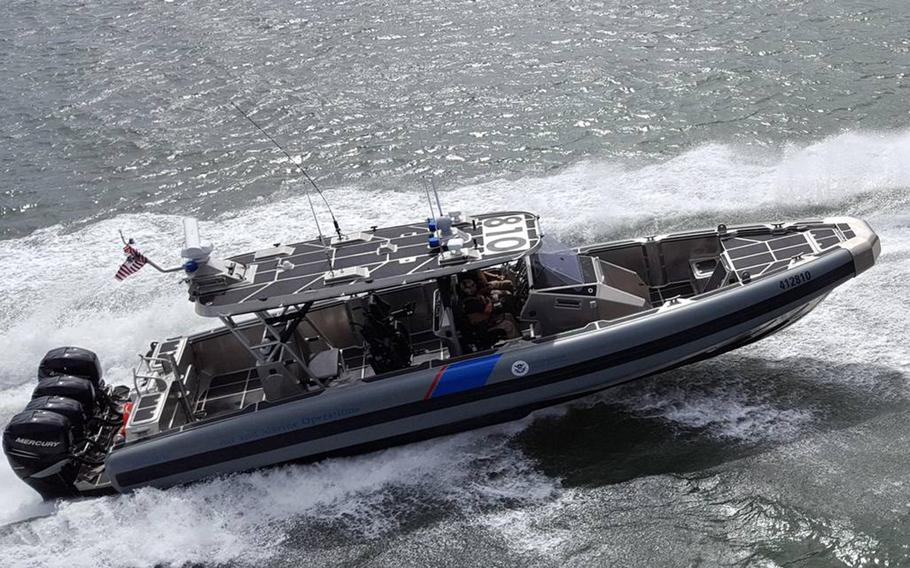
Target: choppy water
609, 120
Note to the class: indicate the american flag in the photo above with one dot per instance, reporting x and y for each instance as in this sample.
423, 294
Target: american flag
134, 261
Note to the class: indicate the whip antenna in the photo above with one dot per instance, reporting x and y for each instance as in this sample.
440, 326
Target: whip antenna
299, 169
426, 188
436, 193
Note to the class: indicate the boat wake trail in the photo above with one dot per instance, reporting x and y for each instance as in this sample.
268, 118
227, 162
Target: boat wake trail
249, 518
61, 291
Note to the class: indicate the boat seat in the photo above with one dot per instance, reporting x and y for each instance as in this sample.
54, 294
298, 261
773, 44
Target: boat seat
278, 382
325, 364
281, 380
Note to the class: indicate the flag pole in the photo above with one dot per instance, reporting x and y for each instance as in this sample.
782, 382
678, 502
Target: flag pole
150, 262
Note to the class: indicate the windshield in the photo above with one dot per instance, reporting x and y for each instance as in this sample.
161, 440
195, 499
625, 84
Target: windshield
556, 265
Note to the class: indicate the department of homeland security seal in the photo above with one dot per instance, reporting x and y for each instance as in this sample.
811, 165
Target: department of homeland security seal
520, 368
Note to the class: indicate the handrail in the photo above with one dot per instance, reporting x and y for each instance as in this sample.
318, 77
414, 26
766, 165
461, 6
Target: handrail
182, 394
160, 382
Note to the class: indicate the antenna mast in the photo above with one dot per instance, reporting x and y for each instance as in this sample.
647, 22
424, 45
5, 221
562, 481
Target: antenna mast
330, 258
302, 171
426, 188
436, 193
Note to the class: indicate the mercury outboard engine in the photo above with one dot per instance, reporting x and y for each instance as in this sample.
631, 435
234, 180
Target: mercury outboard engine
39, 447
75, 388
73, 410
72, 361
51, 440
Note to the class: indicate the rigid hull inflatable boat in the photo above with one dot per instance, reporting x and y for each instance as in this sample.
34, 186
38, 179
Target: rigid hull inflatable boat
335, 347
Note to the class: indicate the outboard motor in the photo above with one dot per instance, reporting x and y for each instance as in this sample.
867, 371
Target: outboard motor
74, 373
72, 361
61, 429
72, 409
39, 446
78, 389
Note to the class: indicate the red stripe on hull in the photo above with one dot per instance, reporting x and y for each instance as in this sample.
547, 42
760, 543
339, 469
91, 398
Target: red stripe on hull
435, 382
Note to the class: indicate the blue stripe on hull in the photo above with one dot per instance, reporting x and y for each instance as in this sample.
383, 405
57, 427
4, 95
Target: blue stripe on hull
466, 375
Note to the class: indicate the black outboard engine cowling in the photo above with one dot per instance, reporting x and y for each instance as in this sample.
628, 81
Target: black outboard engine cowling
72, 361
72, 409
62, 436
38, 445
79, 389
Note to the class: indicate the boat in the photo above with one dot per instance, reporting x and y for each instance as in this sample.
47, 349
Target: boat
334, 347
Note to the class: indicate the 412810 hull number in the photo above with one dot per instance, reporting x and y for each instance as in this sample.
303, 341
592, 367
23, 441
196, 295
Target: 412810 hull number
795, 280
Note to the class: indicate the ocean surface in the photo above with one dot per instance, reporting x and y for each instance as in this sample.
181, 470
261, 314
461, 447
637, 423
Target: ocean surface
609, 119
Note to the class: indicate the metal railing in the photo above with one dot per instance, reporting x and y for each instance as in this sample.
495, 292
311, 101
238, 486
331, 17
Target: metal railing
168, 366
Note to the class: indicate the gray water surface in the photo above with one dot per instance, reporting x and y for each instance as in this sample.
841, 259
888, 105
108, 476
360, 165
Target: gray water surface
115, 107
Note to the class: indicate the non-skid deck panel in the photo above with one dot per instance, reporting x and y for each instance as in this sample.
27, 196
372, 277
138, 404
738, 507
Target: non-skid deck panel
147, 406
846, 230
760, 254
393, 255
826, 238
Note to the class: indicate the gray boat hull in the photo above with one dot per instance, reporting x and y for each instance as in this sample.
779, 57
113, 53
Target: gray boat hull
502, 385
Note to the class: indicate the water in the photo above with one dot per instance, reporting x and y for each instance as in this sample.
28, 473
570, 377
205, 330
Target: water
609, 120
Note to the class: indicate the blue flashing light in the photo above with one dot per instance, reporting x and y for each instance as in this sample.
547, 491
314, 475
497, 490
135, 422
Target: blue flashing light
434, 242
191, 266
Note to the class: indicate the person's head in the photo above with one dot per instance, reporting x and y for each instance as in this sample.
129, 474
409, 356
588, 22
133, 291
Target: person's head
477, 310
468, 286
